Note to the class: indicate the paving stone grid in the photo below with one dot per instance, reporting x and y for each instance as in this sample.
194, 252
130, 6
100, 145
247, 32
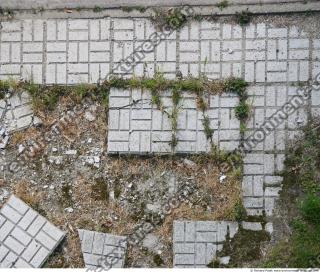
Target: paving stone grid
101, 249
26, 238
138, 127
85, 50
196, 243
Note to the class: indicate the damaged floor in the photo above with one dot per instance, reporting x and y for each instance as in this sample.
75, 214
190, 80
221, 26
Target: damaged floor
61, 169
59, 161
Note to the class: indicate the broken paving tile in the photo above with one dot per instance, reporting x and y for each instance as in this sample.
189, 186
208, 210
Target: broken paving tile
17, 113
26, 238
4, 137
102, 249
196, 243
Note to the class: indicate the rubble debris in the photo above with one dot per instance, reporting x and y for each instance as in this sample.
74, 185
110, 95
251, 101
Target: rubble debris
4, 137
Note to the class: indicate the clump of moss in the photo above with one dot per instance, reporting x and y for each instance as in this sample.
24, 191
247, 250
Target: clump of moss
222, 5
97, 9
244, 17
157, 260
237, 86
240, 212
170, 19
141, 9
208, 131
244, 247
242, 110
4, 86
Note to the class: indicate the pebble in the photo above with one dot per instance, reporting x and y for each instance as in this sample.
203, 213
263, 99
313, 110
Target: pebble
21, 148
189, 162
69, 210
71, 152
222, 178
89, 116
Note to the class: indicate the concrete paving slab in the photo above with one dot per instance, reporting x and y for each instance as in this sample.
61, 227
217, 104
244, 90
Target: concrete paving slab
26, 238
138, 127
102, 250
196, 243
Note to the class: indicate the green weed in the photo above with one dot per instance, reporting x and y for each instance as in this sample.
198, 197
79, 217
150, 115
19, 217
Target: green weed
222, 5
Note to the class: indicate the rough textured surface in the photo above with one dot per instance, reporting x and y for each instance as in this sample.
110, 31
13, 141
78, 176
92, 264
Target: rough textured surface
137, 126
26, 238
195, 243
102, 249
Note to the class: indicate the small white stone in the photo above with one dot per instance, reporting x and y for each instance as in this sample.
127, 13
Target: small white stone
189, 162
89, 140
89, 116
71, 152
37, 121
45, 186
96, 159
21, 148
69, 210
51, 187
222, 178
54, 149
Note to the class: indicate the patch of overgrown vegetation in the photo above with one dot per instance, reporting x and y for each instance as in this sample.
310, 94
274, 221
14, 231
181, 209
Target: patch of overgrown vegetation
208, 131
66, 195
45, 98
171, 19
100, 190
242, 110
141, 9
244, 17
243, 248
4, 87
222, 5
157, 260
97, 9
6, 12
300, 198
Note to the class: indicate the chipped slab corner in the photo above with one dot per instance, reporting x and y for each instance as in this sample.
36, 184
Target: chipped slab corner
27, 239
102, 250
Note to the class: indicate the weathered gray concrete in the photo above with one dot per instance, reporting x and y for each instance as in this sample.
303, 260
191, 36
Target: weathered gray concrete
26, 238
